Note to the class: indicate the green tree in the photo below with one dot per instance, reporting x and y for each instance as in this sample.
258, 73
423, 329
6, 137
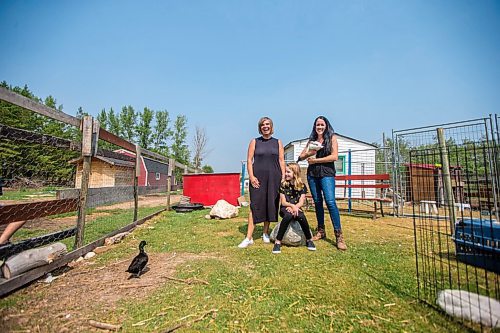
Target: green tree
102, 117
114, 123
162, 132
144, 131
128, 120
207, 169
31, 161
80, 113
179, 148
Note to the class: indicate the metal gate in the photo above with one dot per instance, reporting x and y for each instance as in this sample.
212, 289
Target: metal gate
451, 179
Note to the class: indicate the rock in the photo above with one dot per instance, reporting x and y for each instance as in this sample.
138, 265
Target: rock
242, 201
208, 217
223, 210
470, 306
294, 236
116, 238
89, 255
101, 249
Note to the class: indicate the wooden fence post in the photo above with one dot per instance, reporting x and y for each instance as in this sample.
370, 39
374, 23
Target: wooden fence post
448, 189
171, 165
138, 160
87, 137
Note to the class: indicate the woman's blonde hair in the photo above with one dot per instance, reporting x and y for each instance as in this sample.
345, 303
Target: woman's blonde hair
296, 182
262, 120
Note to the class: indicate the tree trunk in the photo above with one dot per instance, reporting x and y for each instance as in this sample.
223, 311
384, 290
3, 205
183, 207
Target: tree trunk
33, 258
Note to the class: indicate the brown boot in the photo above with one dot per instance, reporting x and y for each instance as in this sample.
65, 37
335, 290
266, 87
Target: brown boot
341, 245
320, 234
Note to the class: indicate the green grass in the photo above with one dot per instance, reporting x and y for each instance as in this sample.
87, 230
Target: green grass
28, 193
94, 230
369, 288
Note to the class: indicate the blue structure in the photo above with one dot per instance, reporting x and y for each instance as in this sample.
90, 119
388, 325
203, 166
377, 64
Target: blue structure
477, 243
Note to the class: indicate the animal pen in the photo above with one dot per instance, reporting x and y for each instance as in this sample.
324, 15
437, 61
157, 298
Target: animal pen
448, 175
78, 182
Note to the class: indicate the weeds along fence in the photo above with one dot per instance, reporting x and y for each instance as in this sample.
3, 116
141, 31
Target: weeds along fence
451, 183
64, 179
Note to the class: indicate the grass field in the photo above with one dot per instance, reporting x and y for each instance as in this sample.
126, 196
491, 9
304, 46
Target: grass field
200, 281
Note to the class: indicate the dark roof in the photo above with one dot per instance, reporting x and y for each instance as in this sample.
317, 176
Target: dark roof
112, 161
337, 134
155, 166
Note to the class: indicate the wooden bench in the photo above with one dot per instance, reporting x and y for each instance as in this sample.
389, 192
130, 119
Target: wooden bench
380, 181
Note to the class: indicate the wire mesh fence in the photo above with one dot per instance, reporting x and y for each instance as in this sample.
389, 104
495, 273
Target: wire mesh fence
451, 185
34, 168
458, 133
65, 179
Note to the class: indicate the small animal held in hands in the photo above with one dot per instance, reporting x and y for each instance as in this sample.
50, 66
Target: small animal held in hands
139, 262
315, 145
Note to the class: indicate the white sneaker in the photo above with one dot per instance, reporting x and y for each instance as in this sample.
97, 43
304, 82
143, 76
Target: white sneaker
265, 238
245, 243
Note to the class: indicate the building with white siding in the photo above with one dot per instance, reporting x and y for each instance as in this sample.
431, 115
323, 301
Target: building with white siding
362, 161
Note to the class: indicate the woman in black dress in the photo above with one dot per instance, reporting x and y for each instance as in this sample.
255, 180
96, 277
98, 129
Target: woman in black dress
266, 169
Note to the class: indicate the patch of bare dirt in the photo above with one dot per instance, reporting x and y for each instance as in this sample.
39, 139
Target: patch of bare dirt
87, 293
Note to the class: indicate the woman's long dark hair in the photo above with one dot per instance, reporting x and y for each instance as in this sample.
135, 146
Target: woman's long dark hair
327, 135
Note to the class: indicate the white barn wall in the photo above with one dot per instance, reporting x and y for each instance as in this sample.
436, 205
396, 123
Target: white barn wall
363, 162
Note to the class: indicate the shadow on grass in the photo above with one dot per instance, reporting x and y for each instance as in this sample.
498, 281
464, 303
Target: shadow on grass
395, 289
257, 232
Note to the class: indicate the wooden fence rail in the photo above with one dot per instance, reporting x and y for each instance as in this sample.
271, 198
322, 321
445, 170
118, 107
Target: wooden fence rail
91, 134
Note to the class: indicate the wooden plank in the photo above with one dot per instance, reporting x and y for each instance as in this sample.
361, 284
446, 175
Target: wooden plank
154, 155
116, 140
363, 185
33, 210
138, 160
87, 136
10, 285
171, 163
84, 188
17, 135
29, 104
384, 176
10, 249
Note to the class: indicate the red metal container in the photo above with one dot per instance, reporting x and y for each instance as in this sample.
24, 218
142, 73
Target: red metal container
208, 188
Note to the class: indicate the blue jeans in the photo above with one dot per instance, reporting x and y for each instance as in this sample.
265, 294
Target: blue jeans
324, 186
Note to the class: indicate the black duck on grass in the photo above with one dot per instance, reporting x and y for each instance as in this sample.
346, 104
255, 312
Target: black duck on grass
139, 262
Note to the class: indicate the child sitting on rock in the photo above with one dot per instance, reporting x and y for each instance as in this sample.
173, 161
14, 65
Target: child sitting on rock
292, 198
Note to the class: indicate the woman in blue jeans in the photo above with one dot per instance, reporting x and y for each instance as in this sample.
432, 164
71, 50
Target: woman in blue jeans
321, 153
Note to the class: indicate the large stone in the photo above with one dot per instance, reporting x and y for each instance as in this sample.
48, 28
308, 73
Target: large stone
294, 236
470, 306
223, 210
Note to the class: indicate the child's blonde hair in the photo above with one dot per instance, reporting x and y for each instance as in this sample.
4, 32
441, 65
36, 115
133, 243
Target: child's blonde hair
296, 182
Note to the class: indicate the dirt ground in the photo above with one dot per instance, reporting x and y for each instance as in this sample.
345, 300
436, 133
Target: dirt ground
86, 292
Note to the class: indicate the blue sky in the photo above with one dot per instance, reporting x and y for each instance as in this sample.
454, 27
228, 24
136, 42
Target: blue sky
369, 66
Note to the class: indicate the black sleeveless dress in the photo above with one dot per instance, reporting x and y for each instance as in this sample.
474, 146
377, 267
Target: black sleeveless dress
264, 201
